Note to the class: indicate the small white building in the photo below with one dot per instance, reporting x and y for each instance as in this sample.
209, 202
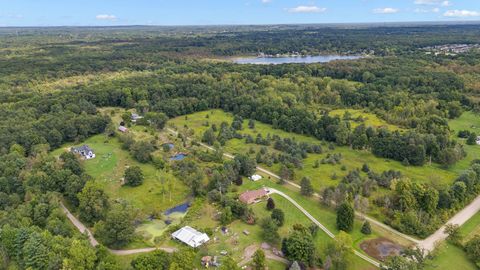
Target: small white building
478, 140
190, 236
136, 117
255, 177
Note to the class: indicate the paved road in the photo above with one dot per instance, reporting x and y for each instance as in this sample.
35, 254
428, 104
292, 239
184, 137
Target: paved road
459, 219
83, 229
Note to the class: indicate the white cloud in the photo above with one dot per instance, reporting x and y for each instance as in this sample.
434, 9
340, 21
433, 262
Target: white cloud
461, 13
423, 10
106, 17
443, 3
446, 4
387, 10
266, 1
306, 9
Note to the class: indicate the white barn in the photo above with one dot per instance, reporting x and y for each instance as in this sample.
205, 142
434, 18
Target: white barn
190, 236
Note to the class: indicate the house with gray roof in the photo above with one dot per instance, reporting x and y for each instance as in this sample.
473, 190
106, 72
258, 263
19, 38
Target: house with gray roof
84, 151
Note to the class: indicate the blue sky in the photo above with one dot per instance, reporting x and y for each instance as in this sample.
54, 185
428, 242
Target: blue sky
195, 12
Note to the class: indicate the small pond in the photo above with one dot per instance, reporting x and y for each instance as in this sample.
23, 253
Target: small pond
381, 248
293, 59
181, 208
179, 156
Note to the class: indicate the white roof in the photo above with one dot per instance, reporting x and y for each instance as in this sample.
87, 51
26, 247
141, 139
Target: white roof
190, 236
255, 177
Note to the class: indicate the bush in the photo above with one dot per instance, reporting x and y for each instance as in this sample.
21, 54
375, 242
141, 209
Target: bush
278, 216
133, 176
366, 228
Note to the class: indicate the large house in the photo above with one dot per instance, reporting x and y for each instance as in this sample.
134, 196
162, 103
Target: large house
190, 236
84, 151
253, 196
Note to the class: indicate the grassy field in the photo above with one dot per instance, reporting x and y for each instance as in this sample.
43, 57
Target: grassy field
321, 177
451, 257
369, 119
108, 167
467, 121
235, 242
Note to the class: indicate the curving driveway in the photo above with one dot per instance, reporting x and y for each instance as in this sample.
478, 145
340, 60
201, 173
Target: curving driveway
83, 229
322, 227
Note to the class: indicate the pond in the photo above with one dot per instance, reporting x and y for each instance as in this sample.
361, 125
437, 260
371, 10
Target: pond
293, 59
181, 208
179, 156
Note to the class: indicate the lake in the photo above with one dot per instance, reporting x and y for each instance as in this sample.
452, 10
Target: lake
293, 59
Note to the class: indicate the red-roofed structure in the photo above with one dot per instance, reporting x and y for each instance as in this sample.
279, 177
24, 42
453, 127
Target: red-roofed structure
252, 196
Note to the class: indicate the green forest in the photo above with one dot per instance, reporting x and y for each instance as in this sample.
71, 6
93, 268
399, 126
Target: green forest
364, 135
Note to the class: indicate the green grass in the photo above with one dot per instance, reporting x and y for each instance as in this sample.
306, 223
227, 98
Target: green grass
471, 228
352, 159
370, 119
451, 257
467, 121
109, 166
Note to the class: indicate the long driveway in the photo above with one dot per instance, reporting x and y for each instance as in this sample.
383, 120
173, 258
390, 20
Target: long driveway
83, 229
322, 227
361, 215
459, 219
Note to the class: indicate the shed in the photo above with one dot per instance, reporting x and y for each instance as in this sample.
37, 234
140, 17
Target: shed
122, 129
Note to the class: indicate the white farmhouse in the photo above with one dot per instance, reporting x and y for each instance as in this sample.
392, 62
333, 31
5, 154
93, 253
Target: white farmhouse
190, 236
84, 151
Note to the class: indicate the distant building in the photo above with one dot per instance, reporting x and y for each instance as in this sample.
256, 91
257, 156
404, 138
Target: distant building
136, 117
190, 236
122, 129
253, 196
478, 140
84, 151
255, 177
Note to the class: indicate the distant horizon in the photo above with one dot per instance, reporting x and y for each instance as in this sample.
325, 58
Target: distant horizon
52, 13
392, 23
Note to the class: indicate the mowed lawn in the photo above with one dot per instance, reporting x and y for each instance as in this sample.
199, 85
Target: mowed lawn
109, 166
467, 121
235, 242
321, 176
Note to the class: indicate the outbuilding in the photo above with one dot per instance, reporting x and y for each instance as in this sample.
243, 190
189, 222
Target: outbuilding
190, 236
255, 177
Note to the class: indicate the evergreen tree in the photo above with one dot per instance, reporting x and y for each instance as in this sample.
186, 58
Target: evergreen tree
270, 204
345, 217
306, 188
366, 228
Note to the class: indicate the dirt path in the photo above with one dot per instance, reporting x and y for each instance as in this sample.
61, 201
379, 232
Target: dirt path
83, 229
250, 250
460, 218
